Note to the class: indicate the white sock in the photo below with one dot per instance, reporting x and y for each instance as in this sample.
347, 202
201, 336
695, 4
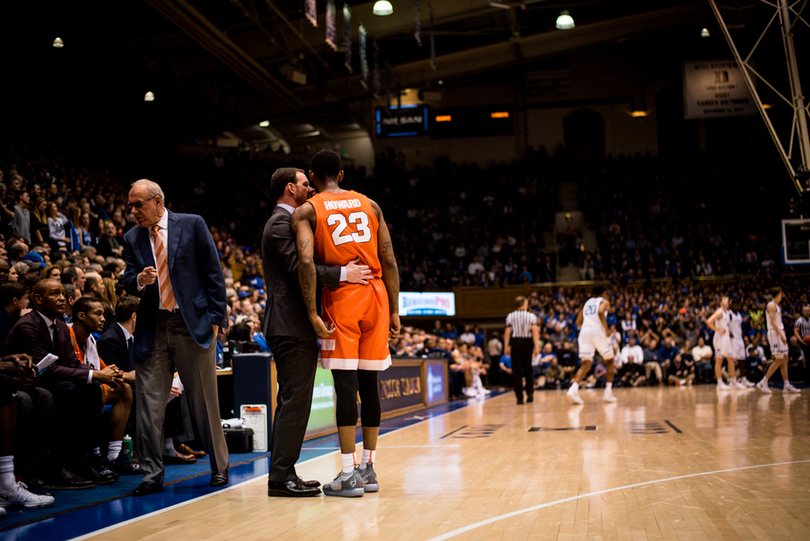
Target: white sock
368, 455
7, 479
114, 449
347, 461
95, 451
608, 386
574, 386
787, 384
168, 447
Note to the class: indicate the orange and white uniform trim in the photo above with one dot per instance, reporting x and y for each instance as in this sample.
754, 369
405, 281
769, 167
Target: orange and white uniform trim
346, 230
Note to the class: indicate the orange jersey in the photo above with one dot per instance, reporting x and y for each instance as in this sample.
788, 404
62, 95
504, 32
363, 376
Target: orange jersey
346, 229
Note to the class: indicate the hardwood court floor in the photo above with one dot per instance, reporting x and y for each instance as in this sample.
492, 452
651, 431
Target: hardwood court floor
662, 463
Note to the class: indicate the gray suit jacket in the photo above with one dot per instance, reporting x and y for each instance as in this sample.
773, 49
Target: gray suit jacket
285, 313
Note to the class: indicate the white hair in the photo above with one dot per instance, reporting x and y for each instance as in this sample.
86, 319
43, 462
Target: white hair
152, 188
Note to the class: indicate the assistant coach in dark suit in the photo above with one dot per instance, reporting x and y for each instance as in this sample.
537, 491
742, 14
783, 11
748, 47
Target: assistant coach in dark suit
173, 266
289, 333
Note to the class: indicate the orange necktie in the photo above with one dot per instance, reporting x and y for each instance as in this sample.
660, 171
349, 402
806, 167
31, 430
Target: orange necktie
167, 299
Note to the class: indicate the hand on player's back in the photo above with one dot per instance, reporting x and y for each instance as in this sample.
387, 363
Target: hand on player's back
357, 273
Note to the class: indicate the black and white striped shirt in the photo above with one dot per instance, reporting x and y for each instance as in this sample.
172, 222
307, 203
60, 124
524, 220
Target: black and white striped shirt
803, 324
521, 322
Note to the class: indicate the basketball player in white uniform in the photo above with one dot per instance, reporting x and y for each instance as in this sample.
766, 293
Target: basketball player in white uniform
593, 337
719, 323
737, 342
778, 343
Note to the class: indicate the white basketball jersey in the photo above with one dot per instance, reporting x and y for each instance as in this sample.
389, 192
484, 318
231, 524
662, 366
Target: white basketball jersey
735, 326
779, 325
590, 314
723, 321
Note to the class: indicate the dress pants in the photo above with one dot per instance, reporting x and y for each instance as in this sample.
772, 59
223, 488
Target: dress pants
174, 348
296, 361
34, 410
76, 420
522, 366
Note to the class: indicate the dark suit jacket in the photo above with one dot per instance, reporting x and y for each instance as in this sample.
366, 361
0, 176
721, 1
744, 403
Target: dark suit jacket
285, 312
112, 348
30, 335
196, 275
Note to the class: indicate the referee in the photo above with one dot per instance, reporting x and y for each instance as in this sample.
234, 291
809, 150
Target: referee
523, 333
801, 330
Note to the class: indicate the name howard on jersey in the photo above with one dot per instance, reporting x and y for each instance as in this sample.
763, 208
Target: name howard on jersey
342, 204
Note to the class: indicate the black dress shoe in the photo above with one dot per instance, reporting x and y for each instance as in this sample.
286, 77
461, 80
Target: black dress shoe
146, 488
219, 479
64, 479
291, 489
530, 398
87, 471
122, 467
308, 484
170, 460
36, 486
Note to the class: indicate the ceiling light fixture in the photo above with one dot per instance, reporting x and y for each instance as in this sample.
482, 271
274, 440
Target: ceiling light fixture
499, 5
58, 43
565, 21
264, 123
149, 97
704, 33
382, 8
638, 113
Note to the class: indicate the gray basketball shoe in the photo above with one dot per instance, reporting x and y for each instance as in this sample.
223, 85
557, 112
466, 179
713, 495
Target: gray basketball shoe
347, 488
369, 478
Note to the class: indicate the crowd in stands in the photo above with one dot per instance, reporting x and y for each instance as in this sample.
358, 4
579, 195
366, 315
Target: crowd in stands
62, 227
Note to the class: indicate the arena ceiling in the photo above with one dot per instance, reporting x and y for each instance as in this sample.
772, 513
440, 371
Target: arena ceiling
228, 64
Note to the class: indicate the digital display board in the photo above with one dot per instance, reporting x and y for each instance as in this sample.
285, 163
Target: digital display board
427, 304
410, 120
322, 414
472, 122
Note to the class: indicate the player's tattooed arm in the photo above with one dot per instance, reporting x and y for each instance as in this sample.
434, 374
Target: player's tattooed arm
303, 223
307, 276
390, 271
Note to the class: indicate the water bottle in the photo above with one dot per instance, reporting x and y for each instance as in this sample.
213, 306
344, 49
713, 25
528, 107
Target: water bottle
127, 448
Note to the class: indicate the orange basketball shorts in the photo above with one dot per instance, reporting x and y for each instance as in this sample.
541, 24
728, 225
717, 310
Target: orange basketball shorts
361, 319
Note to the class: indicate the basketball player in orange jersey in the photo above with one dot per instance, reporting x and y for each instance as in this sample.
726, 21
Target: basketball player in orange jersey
335, 227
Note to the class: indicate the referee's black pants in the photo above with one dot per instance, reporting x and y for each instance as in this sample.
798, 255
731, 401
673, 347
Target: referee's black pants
522, 367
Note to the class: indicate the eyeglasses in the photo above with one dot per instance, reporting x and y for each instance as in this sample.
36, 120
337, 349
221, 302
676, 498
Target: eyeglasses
139, 204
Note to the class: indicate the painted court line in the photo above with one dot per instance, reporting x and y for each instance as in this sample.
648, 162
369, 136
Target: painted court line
470, 527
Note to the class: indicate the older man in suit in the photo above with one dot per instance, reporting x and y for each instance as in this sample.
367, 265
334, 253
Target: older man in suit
289, 332
172, 264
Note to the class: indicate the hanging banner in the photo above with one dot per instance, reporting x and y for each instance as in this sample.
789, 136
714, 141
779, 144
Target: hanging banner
715, 88
432, 43
376, 70
363, 59
347, 36
311, 12
331, 38
417, 33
